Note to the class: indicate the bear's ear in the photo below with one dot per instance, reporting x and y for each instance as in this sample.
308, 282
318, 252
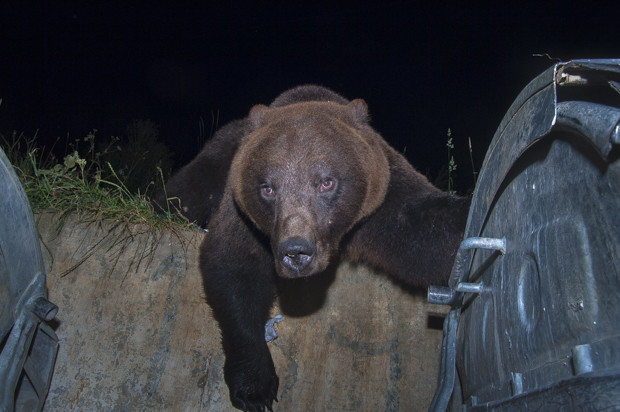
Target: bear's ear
257, 116
359, 110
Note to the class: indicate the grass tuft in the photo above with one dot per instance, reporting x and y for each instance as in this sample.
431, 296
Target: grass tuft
80, 184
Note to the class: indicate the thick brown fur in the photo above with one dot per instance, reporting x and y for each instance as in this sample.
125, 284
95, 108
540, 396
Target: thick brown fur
309, 182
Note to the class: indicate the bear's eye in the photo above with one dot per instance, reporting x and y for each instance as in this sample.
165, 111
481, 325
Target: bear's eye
267, 190
326, 185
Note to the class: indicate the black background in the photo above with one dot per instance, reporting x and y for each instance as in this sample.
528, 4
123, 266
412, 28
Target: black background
422, 67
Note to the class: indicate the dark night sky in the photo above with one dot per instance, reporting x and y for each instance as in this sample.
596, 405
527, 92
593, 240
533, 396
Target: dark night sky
68, 67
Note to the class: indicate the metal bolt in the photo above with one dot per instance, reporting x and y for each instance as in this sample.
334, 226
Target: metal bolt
440, 295
470, 287
582, 359
517, 383
615, 135
44, 309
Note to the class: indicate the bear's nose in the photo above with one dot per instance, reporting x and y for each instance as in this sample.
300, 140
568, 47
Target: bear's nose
296, 253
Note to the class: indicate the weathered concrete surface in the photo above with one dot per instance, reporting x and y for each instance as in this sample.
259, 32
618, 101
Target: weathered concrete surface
136, 334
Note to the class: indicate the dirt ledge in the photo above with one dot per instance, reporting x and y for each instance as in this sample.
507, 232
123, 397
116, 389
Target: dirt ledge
136, 334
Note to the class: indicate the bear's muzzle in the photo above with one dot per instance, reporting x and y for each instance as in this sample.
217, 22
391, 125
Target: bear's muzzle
296, 254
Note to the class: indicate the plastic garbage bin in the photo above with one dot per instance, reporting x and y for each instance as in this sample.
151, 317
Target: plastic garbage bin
28, 346
535, 289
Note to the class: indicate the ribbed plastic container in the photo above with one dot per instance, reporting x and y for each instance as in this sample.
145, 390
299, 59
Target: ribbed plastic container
535, 289
28, 346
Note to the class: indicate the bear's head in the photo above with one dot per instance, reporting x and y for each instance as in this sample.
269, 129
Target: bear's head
306, 175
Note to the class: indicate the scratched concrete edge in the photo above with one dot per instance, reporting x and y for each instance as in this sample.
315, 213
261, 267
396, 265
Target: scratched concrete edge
136, 334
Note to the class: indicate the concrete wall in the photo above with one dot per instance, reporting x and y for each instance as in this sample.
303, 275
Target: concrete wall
136, 334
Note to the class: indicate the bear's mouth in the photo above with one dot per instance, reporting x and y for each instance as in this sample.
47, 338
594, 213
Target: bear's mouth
297, 261
298, 265
295, 257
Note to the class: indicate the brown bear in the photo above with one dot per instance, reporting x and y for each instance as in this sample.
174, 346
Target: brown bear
309, 182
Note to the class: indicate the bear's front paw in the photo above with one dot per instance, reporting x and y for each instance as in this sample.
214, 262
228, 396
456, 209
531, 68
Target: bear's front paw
253, 385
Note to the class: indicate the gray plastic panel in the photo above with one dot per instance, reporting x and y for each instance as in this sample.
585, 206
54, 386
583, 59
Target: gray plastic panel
544, 327
28, 346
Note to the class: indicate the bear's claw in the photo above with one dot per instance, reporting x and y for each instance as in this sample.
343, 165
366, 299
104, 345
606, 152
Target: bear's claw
254, 406
254, 400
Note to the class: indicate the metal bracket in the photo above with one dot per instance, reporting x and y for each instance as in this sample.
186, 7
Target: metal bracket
454, 296
31, 310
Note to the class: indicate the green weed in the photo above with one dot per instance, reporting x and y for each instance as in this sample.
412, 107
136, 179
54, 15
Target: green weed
451, 164
446, 176
81, 183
